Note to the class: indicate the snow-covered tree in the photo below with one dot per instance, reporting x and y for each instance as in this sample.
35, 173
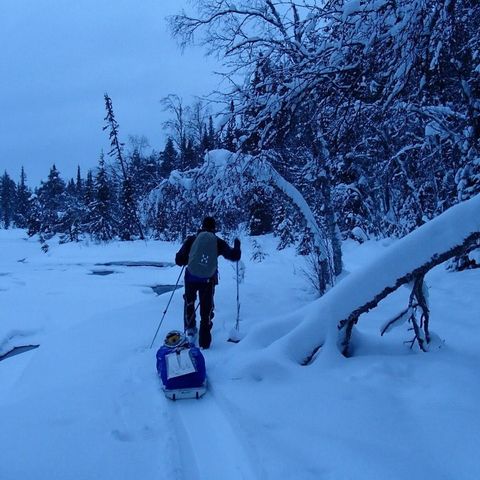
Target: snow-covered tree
103, 226
230, 135
129, 224
168, 159
8, 200
282, 52
22, 203
52, 203
389, 90
219, 187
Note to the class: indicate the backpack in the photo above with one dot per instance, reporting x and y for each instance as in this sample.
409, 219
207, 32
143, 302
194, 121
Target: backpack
202, 260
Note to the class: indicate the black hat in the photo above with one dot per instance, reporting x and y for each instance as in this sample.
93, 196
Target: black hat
208, 224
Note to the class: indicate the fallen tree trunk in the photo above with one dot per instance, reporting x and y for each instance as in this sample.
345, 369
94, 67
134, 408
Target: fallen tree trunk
346, 326
330, 320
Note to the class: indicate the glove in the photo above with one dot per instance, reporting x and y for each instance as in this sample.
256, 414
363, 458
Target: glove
236, 244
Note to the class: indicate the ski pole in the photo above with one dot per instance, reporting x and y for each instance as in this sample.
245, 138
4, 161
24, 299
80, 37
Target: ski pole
235, 332
166, 308
237, 325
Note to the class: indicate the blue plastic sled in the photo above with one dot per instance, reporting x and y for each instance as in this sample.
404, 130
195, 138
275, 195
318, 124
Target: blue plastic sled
182, 371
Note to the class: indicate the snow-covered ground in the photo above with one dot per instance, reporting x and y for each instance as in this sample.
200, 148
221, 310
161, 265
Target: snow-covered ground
87, 403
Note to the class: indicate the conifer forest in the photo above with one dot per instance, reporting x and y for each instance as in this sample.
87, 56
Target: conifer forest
344, 119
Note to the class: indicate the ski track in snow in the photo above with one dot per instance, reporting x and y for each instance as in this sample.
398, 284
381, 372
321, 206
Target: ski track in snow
211, 445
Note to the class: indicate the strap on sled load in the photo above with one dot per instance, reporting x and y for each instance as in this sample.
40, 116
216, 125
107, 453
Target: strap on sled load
179, 363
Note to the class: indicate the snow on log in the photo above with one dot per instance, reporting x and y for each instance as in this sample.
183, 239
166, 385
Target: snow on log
455, 230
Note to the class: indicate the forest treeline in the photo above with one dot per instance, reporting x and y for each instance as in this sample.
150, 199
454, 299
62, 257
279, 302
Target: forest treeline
370, 109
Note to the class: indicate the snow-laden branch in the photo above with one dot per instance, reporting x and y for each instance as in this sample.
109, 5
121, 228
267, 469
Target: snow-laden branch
229, 177
272, 176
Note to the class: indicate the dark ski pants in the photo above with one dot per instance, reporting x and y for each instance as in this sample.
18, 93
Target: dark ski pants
206, 291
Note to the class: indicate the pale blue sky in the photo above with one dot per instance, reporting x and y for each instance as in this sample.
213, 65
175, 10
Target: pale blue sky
59, 57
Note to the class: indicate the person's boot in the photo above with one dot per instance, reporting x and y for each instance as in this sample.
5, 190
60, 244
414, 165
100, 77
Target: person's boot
205, 337
191, 334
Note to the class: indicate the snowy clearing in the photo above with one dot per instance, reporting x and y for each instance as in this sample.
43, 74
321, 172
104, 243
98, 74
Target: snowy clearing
87, 403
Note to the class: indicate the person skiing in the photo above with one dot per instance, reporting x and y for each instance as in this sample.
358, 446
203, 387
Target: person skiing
199, 253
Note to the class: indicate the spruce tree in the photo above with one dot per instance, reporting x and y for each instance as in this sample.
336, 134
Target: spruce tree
144, 171
229, 138
188, 155
7, 200
79, 183
52, 198
209, 138
88, 200
129, 223
71, 221
168, 158
102, 225
71, 188
22, 210
89, 189
34, 220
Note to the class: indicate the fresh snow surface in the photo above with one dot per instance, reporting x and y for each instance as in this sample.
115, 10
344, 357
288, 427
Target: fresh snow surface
87, 404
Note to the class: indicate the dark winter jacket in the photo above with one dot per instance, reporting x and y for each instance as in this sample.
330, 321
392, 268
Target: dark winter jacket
223, 249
